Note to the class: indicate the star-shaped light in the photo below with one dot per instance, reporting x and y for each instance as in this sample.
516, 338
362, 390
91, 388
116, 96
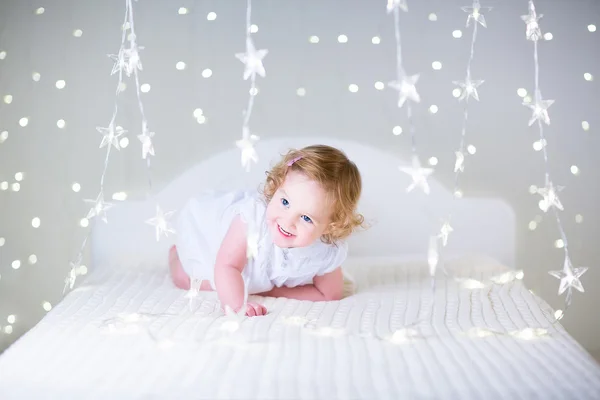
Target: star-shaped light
194, 291
550, 197
459, 164
252, 58
533, 31
120, 61
110, 135
445, 232
475, 14
246, 145
540, 110
418, 174
146, 139
569, 277
99, 208
468, 88
396, 4
133, 61
76, 270
160, 222
406, 89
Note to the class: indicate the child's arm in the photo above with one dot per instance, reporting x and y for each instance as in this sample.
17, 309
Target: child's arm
230, 262
328, 287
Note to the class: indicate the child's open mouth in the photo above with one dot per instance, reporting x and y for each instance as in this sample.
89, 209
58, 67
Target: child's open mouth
284, 232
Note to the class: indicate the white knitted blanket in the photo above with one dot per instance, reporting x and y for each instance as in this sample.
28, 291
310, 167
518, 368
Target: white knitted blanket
130, 334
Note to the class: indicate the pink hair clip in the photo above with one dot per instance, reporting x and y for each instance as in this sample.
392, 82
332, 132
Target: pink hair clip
292, 161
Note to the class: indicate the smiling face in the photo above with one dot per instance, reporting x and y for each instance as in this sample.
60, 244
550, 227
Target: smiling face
299, 212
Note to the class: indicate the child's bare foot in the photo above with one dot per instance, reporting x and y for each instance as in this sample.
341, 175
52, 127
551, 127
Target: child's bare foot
180, 278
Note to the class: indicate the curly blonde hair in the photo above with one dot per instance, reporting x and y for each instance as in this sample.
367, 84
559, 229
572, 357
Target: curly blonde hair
336, 174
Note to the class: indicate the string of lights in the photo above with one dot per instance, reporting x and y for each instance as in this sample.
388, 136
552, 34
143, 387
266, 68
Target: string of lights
253, 61
569, 275
466, 89
127, 63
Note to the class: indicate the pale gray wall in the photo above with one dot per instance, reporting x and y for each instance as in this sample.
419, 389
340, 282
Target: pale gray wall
505, 164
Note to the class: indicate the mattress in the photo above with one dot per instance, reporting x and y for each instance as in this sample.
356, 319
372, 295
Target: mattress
128, 333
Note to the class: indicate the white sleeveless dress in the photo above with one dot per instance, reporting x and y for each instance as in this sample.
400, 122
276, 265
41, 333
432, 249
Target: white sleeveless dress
204, 221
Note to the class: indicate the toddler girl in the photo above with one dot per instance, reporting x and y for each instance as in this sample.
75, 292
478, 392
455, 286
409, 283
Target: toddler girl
288, 241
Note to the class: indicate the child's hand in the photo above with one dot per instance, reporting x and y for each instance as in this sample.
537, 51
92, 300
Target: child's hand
255, 309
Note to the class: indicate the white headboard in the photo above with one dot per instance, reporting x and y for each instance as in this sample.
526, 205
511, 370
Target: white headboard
401, 222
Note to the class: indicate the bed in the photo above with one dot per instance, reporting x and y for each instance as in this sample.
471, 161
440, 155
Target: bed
125, 331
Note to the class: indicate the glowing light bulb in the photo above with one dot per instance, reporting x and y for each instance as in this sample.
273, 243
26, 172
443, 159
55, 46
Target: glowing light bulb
379, 85
8, 99
36, 222
76, 187
592, 28
548, 36
579, 218
559, 244
40, 11
353, 88
180, 65
60, 84
397, 130
457, 34
19, 176
253, 28
574, 169
207, 73
84, 222
343, 39
301, 92
471, 149
436, 65
32, 259
433, 109
588, 77
182, 11
77, 33
432, 17
433, 161
211, 16
16, 264
145, 88
522, 92
36, 76
24, 122
585, 125
60, 123
532, 225
313, 39
46, 306
376, 40
119, 196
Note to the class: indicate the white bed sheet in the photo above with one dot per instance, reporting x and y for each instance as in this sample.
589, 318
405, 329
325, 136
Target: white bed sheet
301, 350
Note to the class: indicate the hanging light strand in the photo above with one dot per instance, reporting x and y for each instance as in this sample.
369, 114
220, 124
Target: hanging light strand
569, 276
110, 139
468, 89
252, 60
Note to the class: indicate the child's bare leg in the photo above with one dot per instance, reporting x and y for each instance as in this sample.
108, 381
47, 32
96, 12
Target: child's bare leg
178, 275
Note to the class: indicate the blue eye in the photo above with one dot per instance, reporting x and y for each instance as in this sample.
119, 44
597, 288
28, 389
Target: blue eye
307, 219
285, 202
